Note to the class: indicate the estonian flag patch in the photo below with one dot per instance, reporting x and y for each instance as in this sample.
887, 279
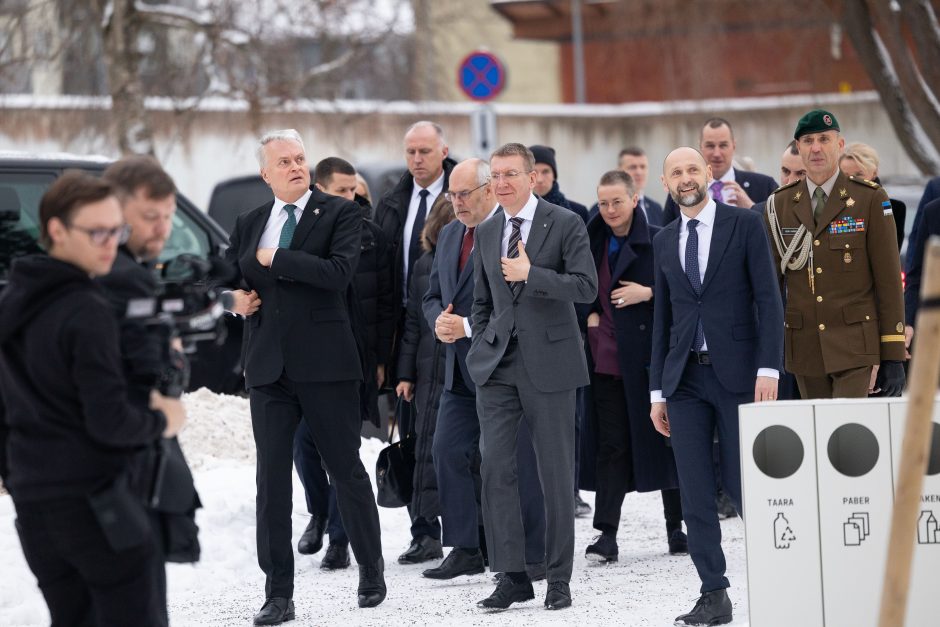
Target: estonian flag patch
886, 206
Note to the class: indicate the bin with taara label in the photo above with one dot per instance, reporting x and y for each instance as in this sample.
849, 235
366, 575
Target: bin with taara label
781, 515
925, 569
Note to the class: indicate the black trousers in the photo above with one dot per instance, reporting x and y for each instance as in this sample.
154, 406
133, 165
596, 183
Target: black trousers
83, 580
615, 457
331, 411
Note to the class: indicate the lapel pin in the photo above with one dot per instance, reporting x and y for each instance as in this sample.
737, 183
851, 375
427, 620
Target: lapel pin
797, 196
850, 202
316, 211
545, 225
747, 183
843, 193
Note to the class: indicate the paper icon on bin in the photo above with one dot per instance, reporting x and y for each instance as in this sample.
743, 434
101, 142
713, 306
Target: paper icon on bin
855, 529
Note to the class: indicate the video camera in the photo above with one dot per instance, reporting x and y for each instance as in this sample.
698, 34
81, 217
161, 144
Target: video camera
190, 307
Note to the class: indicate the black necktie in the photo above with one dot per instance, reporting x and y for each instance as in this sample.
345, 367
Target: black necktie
691, 271
414, 248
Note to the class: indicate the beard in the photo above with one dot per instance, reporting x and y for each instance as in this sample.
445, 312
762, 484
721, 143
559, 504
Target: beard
689, 198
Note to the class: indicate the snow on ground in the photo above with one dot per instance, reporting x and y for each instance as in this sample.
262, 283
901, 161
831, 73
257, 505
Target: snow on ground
646, 587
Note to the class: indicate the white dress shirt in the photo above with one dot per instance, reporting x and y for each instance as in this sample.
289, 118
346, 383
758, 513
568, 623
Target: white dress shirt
278, 217
466, 320
434, 190
704, 228
527, 213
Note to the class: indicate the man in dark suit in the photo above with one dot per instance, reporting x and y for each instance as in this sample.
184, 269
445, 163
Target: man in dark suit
447, 306
717, 343
294, 258
531, 263
633, 161
729, 185
401, 214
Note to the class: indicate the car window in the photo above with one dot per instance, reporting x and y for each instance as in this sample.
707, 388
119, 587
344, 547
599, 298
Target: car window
186, 237
19, 215
233, 198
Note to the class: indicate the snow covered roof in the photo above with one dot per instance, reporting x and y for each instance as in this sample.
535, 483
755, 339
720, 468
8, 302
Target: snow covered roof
53, 156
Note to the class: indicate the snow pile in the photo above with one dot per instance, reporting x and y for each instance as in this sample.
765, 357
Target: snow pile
646, 587
218, 428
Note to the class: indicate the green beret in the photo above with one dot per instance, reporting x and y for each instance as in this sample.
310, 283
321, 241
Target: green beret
816, 121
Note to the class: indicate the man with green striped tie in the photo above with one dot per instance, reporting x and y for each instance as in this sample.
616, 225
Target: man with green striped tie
293, 259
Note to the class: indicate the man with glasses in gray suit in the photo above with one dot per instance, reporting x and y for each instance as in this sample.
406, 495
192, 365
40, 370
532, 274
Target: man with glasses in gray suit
532, 262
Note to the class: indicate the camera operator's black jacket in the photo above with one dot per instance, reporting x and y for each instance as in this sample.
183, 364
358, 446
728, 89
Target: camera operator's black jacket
145, 353
144, 349
66, 426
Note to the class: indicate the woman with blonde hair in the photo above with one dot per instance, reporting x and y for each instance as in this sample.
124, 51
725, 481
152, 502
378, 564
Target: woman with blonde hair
861, 161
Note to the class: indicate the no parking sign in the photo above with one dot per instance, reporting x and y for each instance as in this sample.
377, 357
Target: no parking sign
481, 76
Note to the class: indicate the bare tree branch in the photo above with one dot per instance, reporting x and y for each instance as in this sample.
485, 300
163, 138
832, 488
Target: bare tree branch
922, 21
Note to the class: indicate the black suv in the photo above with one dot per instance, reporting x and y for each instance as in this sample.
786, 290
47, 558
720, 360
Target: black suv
24, 179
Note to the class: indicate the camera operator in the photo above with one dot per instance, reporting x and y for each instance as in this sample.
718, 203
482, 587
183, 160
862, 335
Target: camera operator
147, 196
68, 434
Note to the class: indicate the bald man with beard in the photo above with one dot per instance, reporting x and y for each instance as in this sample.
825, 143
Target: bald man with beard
717, 343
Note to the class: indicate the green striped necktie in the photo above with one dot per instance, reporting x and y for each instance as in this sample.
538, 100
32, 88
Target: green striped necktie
287, 231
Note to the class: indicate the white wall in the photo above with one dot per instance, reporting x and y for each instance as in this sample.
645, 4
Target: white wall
217, 141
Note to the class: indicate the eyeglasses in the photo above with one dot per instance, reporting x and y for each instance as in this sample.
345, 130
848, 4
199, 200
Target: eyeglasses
452, 196
505, 176
100, 237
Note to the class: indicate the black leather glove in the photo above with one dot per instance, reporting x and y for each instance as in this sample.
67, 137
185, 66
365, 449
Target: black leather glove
890, 379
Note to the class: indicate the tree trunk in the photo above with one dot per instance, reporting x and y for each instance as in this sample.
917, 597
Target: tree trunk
858, 24
129, 116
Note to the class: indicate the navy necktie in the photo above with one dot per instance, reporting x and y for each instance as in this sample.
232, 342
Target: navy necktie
287, 231
414, 247
695, 279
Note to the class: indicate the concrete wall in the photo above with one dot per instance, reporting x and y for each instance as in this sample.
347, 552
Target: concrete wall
217, 142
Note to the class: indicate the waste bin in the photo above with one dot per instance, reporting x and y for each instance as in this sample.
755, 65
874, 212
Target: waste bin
925, 570
853, 460
781, 514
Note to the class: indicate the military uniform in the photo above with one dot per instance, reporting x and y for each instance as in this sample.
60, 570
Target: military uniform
845, 308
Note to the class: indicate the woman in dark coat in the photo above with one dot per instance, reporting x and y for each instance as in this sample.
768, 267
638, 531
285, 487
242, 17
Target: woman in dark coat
631, 455
421, 376
68, 435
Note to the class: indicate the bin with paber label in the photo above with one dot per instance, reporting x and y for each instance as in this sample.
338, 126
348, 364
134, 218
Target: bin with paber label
855, 490
781, 515
925, 568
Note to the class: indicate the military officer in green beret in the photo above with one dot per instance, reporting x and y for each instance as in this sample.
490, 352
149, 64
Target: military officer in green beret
834, 241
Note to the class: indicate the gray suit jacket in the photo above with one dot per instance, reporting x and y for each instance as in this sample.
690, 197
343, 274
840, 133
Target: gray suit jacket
543, 315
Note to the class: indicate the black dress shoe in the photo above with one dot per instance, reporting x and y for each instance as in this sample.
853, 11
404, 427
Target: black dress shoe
337, 557
275, 611
372, 583
311, 541
422, 549
604, 549
581, 509
712, 608
725, 506
678, 543
558, 596
458, 562
507, 592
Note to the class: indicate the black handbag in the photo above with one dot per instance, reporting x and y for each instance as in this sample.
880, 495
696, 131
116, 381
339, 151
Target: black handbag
395, 466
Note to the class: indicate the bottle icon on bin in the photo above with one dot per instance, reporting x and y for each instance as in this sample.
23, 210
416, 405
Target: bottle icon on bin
783, 534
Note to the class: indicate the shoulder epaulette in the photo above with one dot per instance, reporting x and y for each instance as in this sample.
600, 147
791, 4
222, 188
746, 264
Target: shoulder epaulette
788, 185
865, 182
